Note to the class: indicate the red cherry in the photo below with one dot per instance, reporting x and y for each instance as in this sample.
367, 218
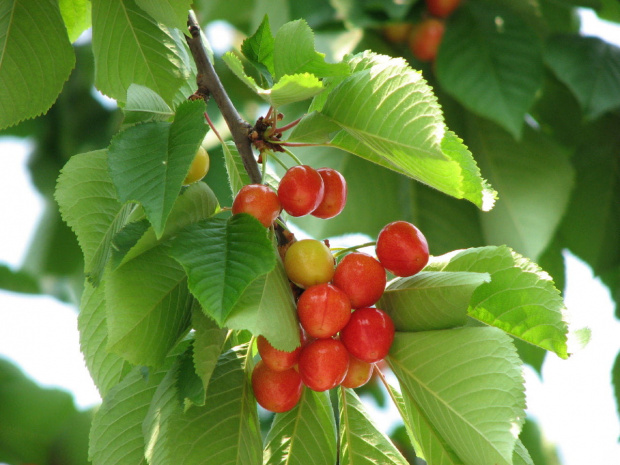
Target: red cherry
442, 8
425, 39
402, 249
301, 190
323, 364
369, 334
278, 360
361, 277
323, 310
358, 374
276, 391
259, 201
335, 196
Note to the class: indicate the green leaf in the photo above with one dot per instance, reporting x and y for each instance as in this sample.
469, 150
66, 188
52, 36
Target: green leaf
521, 456
76, 15
235, 65
305, 435
225, 431
209, 340
389, 115
197, 202
590, 67
88, 203
18, 281
294, 88
473, 398
233, 253
267, 307
491, 62
106, 369
534, 178
148, 307
172, 13
258, 49
131, 48
237, 175
293, 53
116, 433
144, 104
521, 298
431, 300
31, 417
361, 442
36, 58
149, 162
615, 381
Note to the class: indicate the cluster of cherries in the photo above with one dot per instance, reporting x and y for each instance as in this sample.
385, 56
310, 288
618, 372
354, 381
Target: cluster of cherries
342, 335
424, 37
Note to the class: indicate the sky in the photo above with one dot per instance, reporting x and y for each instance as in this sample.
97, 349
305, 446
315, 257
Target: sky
573, 401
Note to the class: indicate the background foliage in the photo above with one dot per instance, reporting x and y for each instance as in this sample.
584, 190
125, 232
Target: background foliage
536, 103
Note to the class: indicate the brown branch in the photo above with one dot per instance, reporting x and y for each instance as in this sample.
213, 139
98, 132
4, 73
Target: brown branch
209, 84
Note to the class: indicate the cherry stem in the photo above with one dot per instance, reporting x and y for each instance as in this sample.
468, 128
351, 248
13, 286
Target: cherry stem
280, 162
353, 249
292, 155
268, 115
288, 126
212, 126
296, 144
264, 167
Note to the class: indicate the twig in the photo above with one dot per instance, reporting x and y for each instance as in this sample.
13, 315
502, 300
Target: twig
209, 84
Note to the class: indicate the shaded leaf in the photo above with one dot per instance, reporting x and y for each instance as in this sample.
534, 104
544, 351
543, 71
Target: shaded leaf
590, 67
431, 300
491, 62
36, 58
106, 369
233, 253
148, 307
361, 442
267, 307
131, 48
305, 435
209, 340
144, 104
149, 162
467, 384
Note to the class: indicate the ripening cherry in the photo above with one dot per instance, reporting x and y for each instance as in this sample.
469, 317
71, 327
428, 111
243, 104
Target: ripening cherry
276, 391
301, 190
276, 359
402, 249
335, 195
425, 39
369, 334
361, 277
397, 33
323, 310
358, 374
259, 201
323, 364
442, 8
309, 262
199, 167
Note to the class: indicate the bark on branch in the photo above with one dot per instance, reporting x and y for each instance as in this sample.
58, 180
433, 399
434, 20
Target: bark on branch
209, 84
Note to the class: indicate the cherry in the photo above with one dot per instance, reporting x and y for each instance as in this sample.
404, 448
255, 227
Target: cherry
402, 249
323, 310
259, 201
425, 39
199, 167
309, 262
442, 8
301, 190
361, 277
397, 33
323, 364
276, 391
279, 360
369, 334
358, 374
335, 195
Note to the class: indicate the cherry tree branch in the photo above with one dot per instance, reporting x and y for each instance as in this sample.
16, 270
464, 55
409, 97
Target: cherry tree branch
209, 84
